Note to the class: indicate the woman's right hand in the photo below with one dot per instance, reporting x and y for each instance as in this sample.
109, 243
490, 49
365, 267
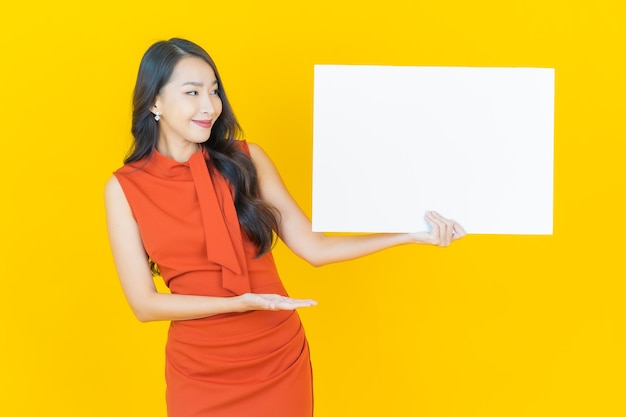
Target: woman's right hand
443, 231
274, 302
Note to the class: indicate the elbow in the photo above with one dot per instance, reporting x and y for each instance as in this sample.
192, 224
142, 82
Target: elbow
316, 261
146, 307
143, 318
318, 258
318, 253
143, 314
316, 264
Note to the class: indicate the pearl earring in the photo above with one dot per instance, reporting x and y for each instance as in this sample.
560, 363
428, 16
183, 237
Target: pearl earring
157, 116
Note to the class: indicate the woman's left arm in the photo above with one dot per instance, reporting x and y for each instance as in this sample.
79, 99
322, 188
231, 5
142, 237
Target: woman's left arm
317, 248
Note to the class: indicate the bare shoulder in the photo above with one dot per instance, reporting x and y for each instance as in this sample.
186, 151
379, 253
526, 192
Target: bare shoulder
113, 189
256, 152
114, 196
261, 160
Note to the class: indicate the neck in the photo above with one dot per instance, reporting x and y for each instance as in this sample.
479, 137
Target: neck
178, 152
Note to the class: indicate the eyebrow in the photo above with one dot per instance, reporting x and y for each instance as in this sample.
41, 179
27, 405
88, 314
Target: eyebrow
197, 84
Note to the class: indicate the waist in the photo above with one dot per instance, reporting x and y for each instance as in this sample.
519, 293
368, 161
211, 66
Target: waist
235, 329
209, 283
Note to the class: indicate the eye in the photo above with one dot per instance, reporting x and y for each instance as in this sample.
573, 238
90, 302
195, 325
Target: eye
214, 92
192, 93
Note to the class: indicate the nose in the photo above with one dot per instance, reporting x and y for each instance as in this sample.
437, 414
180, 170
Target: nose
207, 106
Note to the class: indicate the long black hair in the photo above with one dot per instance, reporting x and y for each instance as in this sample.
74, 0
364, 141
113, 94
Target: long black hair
257, 219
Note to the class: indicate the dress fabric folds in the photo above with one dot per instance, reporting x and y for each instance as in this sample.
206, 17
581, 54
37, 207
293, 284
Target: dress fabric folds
252, 364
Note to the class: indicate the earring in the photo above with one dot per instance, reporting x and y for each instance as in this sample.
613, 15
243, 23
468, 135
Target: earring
157, 116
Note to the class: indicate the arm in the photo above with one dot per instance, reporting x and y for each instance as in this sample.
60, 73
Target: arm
135, 276
318, 249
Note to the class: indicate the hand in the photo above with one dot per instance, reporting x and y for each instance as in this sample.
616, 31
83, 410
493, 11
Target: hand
272, 302
442, 231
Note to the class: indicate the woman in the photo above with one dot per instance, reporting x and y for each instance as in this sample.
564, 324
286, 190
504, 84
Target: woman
202, 206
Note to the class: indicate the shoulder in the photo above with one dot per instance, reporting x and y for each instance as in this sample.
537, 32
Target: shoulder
116, 203
252, 149
261, 160
266, 170
113, 188
257, 153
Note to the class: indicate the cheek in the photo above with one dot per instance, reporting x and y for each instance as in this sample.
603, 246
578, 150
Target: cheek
218, 107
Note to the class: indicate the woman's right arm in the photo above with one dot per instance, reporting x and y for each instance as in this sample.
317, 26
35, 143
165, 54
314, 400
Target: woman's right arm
135, 276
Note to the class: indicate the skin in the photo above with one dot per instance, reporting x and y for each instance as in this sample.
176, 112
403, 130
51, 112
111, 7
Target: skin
191, 96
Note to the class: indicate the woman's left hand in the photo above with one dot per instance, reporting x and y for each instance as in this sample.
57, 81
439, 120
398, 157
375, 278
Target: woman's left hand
442, 232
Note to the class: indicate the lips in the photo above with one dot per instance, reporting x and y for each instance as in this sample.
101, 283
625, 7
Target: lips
206, 124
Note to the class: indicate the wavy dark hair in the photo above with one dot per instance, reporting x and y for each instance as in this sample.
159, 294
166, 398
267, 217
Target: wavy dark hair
257, 219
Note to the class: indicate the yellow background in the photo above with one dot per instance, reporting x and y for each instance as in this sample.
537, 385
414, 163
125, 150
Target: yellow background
493, 326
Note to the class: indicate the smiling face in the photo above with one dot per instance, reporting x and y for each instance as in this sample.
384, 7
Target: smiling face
188, 105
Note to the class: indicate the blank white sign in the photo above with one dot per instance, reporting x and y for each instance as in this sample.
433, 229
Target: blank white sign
475, 144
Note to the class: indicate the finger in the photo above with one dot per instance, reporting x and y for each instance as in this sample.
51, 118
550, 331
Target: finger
294, 305
459, 231
279, 302
303, 302
282, 298
445, 229
308, 302
291, 304
455, 230
436, 214
295, 300
435, 228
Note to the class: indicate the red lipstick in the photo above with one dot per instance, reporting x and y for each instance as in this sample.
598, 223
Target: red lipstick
204, 123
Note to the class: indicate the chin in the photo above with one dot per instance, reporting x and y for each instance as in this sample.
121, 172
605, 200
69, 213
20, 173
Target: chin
198, 140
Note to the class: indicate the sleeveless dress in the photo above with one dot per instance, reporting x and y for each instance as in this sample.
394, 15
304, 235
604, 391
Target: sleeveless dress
252, 364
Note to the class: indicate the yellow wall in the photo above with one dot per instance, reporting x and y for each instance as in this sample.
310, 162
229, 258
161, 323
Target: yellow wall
493, 326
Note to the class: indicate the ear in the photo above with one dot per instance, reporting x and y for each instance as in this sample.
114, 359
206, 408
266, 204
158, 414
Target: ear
157, 103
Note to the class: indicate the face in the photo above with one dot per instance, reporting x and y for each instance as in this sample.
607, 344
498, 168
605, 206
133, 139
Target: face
188, 104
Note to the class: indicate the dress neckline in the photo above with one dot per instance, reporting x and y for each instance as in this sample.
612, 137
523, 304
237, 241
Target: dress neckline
167, 167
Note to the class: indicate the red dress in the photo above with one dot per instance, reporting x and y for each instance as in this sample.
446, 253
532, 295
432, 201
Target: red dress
252, 364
